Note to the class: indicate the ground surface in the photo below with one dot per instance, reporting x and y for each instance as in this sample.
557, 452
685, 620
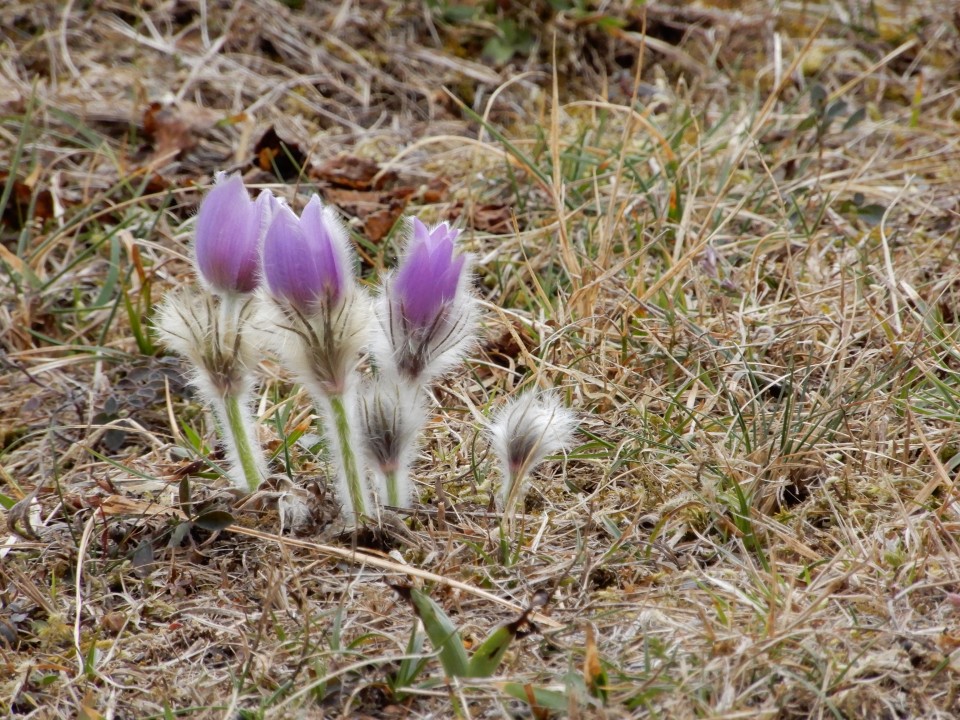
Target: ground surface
741, 271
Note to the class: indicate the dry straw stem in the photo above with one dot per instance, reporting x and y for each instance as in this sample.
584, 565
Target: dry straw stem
368, 559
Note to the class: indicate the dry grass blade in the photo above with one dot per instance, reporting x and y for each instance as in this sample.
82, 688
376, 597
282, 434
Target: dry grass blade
364, 558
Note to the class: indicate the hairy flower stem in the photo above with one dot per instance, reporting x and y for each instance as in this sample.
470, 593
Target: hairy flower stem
511, 481
393, 488
345, 438
239, 438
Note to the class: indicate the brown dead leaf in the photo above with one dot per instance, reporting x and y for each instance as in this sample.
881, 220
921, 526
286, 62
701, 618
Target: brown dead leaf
378, 224
170, 134
113, 622
435, 190
377, 210
274, 154
593, 672
18, 517
353, 172
17, 213
506, 349
87, 711
494, 218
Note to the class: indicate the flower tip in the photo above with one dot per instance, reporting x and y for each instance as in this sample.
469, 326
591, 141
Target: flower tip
227, 242
419, 228
306, 260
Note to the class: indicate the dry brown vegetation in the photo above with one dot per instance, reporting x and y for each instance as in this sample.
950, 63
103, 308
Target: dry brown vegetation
741, 271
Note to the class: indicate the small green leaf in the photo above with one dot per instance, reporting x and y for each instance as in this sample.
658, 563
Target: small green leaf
608, 22
538, 698
837, 108
855, 119
441, 631
140, 334
113, 274
180, 533
185, 503
871, 214
90, 661
192, 437
459, 13
411, 666
487, 658
808, 122
214, 520
818, 96
7, 502
498, 51
143, 558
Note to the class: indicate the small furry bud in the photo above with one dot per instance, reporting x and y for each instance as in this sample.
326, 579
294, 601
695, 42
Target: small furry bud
523, 432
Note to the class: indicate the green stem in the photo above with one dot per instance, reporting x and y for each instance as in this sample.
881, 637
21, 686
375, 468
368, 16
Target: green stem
236, 428
514, 482
393, 491
345, 442
513, 490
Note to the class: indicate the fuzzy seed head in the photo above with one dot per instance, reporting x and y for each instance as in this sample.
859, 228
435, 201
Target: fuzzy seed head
527, 429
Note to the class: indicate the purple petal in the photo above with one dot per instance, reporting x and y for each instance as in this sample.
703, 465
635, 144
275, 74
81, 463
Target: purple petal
300, 263
319, 234
227, 242
266, 207
429, 276
288, 265
443, 233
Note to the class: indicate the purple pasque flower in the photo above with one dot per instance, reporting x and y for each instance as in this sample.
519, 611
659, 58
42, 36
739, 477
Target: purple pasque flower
306, 260
429, 275
228, 234
426, 311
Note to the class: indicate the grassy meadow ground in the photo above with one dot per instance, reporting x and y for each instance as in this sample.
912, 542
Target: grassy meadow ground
726, 232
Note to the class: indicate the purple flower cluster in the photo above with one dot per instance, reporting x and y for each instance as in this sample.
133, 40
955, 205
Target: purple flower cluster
317, 319
240, 242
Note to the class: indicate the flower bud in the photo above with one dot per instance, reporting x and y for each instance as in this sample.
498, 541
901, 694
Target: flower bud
392, 416
429, 275
306, 260
228, 234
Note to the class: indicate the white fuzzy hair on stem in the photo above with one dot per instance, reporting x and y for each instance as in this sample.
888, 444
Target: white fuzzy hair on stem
213, 333
392, 416
322, 349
